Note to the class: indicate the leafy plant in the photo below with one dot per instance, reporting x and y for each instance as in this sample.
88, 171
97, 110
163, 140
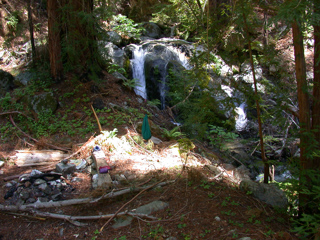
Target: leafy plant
155, 102
126, 26
219, 135
130, 83
13, 20
173, 133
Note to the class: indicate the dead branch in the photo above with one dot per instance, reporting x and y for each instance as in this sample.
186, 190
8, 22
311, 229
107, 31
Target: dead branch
95, 115
39, 205
16, 112
35, 140
74, 219
128, 203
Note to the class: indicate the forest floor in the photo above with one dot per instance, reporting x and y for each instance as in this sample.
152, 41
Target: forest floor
199, 206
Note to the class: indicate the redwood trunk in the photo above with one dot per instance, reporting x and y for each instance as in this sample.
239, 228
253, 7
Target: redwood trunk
316, 88
302, 88
54, 40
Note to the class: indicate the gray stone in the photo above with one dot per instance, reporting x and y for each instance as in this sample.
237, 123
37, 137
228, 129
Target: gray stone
152, 30
152, 207
43, 186
65, 168
24, 194
145, 209
122, 221
114, 37
268, 193
156, 140
245, 238
31, 200
43, 199
23, 78
1, 163
45, 102
112, 53
39, 181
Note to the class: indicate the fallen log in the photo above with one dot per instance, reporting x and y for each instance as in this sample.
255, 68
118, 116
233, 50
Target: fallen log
39, 205
27, 158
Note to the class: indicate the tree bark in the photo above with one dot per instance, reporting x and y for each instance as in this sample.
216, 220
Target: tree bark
34, 55
263, 155
302, 88
54, 26
316, 87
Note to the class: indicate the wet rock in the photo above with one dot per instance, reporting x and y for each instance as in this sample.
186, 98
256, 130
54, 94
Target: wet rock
152, 30
114, 37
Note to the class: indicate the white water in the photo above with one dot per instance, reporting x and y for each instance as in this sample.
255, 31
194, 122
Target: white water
137, 64
241, 121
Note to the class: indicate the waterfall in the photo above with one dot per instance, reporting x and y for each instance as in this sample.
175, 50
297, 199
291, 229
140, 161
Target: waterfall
137, 64
241, 121
138, 71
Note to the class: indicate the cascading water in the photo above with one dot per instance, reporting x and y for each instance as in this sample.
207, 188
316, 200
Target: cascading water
138, 69
137, 64
242, 120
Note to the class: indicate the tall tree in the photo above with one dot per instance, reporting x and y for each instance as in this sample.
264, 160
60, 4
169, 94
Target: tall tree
72, 38
54, 32
31, 31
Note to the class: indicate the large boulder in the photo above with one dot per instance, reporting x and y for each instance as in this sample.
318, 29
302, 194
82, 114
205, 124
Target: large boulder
23, 78
6, 82
114, 37
45, 102
268, 193
152, 30
113, 53
156, 62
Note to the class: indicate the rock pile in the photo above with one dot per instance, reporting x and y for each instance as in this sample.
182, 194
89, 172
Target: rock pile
37, 187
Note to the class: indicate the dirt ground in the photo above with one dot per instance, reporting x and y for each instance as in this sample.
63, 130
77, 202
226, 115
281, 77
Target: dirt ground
199, 208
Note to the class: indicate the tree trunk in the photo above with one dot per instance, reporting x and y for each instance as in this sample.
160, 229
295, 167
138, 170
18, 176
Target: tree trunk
302, 88
304, 116
263, 156
31, 32
54, 39
316, 87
